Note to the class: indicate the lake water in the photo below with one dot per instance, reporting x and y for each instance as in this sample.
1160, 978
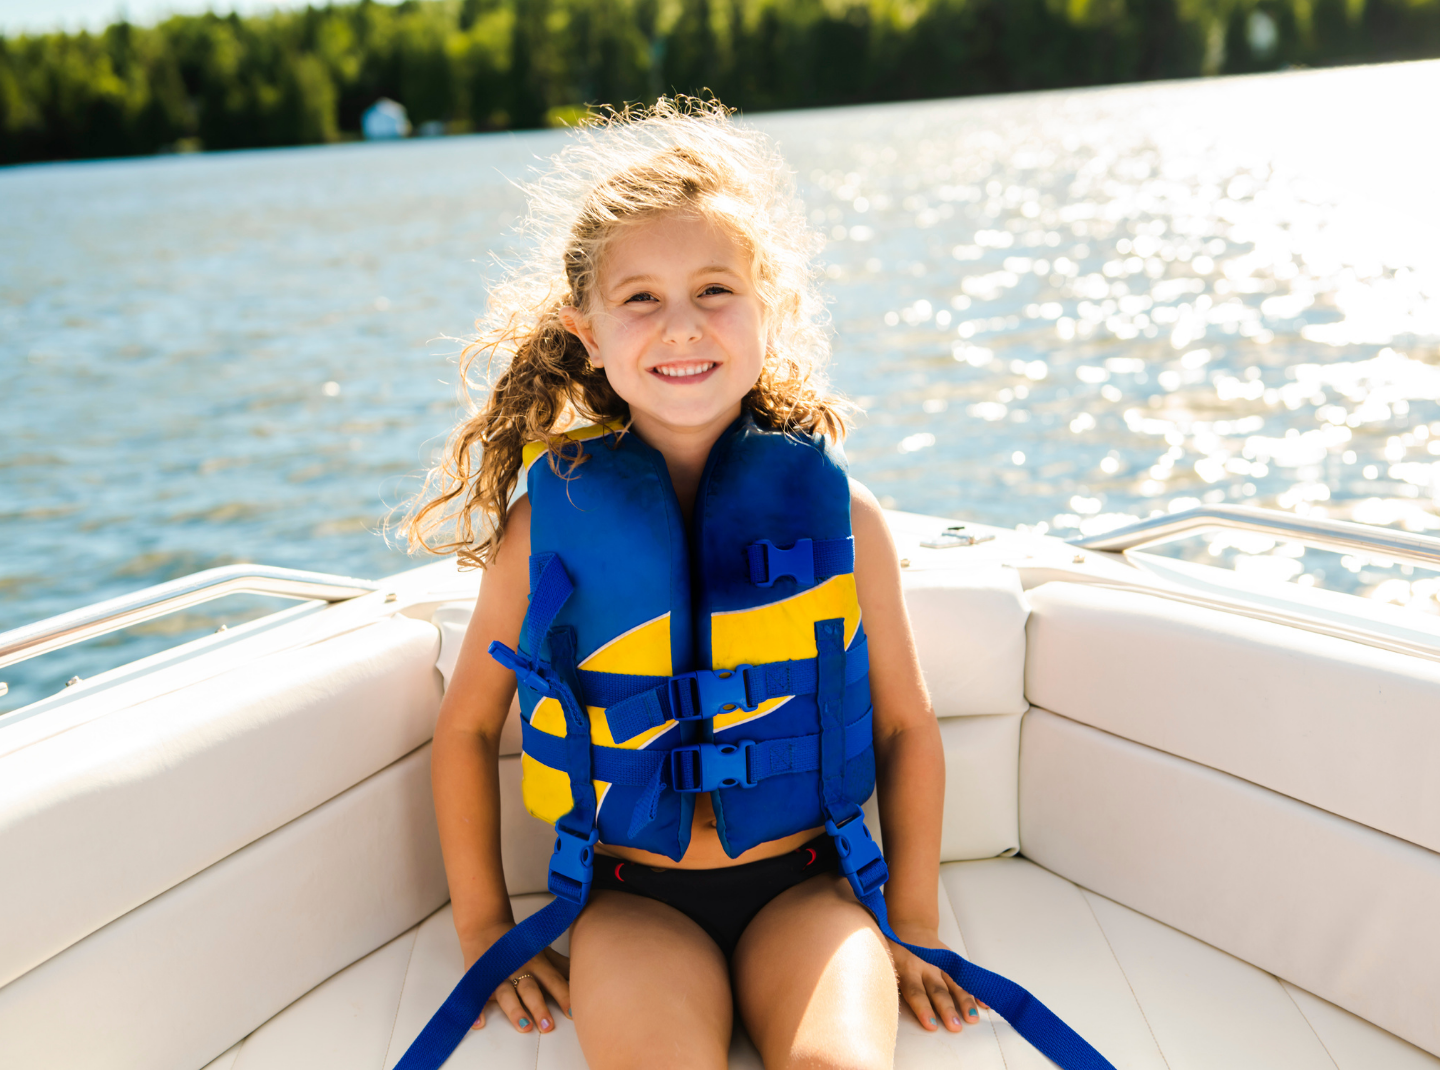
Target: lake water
1063, 308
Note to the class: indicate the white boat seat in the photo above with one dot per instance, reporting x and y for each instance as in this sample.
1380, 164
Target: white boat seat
1147, 995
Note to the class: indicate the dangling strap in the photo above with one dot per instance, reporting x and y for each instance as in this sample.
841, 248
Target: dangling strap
863, 864
572, 860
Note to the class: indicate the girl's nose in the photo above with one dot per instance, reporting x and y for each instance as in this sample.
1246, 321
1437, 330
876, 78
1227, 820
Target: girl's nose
682, 326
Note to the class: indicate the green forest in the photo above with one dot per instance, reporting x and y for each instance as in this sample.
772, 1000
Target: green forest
296, 77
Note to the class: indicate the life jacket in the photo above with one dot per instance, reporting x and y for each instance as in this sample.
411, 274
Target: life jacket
655, 663
698, 652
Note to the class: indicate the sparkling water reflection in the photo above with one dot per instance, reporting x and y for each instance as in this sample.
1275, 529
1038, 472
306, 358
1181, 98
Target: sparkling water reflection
1062, 309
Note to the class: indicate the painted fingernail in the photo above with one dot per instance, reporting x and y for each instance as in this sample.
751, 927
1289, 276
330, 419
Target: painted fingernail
932, 1021
568, 1013
544, 1023
973, 1013
524, 1023
954, 1021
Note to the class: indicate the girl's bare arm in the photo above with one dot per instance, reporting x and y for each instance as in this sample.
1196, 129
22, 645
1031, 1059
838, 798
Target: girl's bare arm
465, 775
909, 768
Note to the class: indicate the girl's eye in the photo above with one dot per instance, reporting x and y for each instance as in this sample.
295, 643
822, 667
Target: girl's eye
642, 296
714, 288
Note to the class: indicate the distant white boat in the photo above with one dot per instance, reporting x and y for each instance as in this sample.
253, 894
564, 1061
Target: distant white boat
384, 120
1195, 813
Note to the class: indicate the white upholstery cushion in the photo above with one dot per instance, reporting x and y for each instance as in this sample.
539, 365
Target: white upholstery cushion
1146, 995
99, 819
1330, 905
982, 759
1349, 728
969, 625
177, 980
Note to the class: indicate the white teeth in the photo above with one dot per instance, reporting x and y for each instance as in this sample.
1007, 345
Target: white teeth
682, 371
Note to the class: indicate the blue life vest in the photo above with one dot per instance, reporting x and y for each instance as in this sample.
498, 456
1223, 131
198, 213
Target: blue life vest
697, 653
656, 663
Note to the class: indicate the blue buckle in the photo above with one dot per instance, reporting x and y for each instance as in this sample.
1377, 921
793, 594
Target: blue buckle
573, 859
709, 691
527, 670
711, 766
798, 563
861, 859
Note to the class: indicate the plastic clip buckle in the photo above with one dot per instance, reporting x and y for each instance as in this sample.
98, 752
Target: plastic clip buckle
573, 859
861, 859
527, 670
710, 691
711, 766
798, 563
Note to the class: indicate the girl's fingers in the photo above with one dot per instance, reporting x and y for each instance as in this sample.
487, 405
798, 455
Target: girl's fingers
557, 984
967, 1004
480, 1021
536, 1011
912, 991
946, 1011
512, 1008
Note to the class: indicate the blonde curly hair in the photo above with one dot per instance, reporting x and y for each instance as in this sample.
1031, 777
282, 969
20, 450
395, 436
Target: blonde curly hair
682, 154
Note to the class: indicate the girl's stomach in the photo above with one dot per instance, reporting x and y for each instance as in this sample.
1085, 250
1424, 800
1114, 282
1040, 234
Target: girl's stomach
705, 850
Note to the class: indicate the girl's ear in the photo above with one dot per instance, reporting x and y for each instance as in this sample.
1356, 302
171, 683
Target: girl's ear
577, 325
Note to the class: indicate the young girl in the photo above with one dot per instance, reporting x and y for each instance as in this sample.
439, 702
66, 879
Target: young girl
668, 335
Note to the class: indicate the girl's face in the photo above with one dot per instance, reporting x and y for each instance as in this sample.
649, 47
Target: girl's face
676, 323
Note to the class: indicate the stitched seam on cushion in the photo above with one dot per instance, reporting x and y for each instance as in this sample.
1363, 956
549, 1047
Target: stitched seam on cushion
1325, 1047
1133, 994
409, 961
990, 1014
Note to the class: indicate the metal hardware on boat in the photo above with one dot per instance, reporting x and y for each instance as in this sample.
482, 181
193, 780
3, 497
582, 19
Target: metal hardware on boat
127, 610
955, 535
1078, 559
390, 596
904, 562
4, 689
72, 681
222, 628
1341, 536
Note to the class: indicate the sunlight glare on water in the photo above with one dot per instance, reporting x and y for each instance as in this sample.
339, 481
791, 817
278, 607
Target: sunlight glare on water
1064, 310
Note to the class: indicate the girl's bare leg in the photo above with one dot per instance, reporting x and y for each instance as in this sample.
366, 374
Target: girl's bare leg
649, 988
815, 984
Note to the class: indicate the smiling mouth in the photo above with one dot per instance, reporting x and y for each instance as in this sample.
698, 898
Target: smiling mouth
683, 372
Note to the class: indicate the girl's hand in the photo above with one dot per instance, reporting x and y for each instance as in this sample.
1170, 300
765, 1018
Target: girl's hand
927, 990
525, 1004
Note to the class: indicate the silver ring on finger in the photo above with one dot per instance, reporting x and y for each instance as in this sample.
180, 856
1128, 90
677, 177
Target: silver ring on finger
520, 977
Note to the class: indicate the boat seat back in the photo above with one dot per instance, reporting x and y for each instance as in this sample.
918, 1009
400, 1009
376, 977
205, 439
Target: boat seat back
1269, 790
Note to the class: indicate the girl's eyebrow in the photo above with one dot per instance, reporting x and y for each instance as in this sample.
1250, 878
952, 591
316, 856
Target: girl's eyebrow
630, 279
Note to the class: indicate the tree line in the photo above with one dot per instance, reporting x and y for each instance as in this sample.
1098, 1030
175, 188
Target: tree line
306, 76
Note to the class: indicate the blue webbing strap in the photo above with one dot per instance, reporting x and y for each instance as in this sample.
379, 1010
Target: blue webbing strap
550, 586
572, 861
447, 1028
830, 702
744, 687
862, 862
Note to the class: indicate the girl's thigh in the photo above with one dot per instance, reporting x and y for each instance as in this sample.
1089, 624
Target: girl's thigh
814, 981
648, 987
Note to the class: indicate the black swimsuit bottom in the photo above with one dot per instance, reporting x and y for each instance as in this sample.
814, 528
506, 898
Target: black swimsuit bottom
721, 901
